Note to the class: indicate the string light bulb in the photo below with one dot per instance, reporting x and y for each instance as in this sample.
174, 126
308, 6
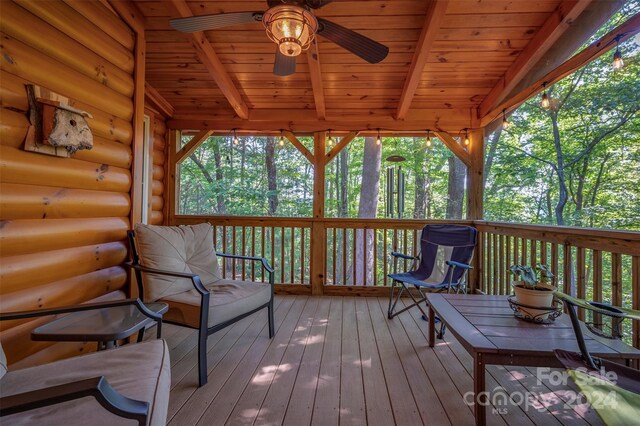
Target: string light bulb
330, 139
505, 122
544, 102
428, 138
378, 139
281, 141
466, 137
236, 141
618, 63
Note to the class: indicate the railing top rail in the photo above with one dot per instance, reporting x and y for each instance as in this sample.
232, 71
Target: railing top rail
484, 225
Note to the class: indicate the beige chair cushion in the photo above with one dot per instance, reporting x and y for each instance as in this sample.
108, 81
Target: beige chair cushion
139, 371
178, 249
227, 300
3, 362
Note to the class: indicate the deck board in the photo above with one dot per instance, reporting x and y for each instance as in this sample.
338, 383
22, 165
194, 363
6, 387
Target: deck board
339, 360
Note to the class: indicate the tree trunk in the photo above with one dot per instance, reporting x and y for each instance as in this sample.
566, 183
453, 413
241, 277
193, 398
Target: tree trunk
563, 195
220, 205
457, 173
420, 199
343, 200
491, 153
272, 178
367, 209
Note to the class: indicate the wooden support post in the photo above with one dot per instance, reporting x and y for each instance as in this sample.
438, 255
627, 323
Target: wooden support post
172, 189
318, 237
137, 147
475, 194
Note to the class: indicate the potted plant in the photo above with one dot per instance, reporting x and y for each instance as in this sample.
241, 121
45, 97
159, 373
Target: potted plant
533, 287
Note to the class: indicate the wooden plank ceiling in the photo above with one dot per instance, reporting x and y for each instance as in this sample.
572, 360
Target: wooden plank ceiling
476, 42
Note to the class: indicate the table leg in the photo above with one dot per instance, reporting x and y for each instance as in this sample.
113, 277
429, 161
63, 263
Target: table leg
480, 397
432, 327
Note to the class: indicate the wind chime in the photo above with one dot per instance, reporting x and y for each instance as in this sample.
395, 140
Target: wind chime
395, 187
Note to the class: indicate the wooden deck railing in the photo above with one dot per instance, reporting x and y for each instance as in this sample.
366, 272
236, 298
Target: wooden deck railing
353, 256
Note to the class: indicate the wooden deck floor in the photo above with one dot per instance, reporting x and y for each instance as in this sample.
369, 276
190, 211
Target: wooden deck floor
338, 360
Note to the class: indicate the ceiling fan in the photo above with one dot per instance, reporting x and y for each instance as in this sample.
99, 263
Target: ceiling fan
292, 26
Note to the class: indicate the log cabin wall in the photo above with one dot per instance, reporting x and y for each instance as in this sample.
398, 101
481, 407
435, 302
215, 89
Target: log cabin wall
158, 134
63, 220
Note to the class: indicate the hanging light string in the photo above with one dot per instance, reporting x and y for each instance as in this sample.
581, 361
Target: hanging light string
330, 138
281, 142
544, 101
236, 141
618, 63
428, 138
378, 139
505, 122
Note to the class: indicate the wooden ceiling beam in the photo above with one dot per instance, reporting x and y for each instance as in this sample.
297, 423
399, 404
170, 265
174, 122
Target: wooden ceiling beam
192, 145
435, 12
313, 59
559, 21
130, 13
158, 101
305, 120
212, 63
346, 140
299, 145
455, 147
626, 30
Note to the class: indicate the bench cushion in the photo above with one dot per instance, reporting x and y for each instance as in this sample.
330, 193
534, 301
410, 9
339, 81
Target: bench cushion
177, 249
139, 371
227, 300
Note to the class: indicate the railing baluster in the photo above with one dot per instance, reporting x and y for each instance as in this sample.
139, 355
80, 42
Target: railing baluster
262, 251
253, 252
243, 252
344, 256
580, 278
385, 255
523, 251
616, 279
597, 284
282, 258
635, 301
303, 245
566, 268
554, 261
292, 258
375, 257
509, 262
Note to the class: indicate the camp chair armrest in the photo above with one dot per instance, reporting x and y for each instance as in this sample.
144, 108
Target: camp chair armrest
265, 263
580, 303
78, 308
97, 387
403, 256
458, 264
195, 278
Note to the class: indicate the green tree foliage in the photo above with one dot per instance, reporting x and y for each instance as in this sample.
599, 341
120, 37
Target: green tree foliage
578, 162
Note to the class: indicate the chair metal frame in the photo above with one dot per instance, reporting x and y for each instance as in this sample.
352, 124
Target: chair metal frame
203, 330
96, 387
459, 286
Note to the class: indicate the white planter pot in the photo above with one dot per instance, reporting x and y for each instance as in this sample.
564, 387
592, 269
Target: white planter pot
529, 297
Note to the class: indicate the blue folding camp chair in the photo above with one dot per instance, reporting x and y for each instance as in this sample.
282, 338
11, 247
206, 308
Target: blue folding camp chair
443, 262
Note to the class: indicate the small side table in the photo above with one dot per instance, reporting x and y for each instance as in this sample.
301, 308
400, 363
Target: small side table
103, 325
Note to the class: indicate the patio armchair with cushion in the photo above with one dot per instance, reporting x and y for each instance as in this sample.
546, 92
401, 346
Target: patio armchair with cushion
105, 387
178, 265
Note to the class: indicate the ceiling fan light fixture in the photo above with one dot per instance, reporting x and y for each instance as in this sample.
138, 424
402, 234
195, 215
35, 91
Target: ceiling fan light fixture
291, 27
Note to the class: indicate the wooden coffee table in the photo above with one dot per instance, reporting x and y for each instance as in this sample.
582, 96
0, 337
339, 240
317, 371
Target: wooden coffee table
488, 330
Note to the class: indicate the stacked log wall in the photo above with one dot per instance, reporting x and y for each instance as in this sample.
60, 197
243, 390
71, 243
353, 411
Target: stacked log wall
63, 220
